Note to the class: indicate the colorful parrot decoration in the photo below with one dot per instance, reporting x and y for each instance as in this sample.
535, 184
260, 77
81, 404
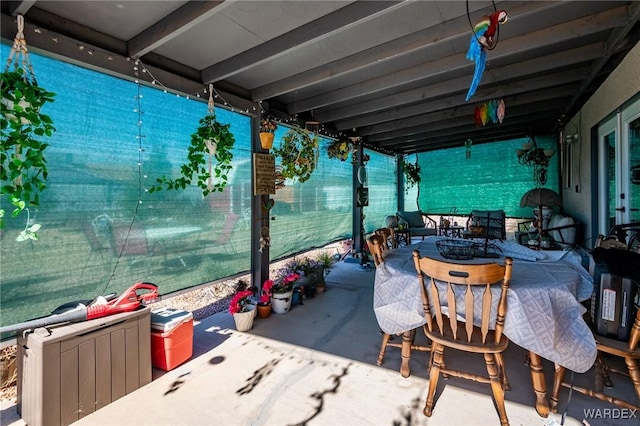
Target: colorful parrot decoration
483, 39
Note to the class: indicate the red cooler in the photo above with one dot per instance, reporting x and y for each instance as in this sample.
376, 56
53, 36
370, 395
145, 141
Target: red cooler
171, 337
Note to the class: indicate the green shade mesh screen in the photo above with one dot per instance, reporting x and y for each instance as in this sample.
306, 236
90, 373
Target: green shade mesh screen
383, 192
313, 213
491, 178
102, 231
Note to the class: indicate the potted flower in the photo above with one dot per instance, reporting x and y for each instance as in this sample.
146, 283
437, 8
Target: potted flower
282, 293
325, 262
264, 301
23, 173
298, 154
339, 150
243, 310
308, 270
268, 126
211, 140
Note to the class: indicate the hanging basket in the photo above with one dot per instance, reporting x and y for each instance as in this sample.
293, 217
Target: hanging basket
266, 140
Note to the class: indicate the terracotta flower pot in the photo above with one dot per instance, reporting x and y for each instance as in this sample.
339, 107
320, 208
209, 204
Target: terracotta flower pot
264, 311
266, 140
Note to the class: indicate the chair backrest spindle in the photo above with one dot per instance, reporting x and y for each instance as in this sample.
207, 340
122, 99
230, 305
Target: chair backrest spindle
455, 284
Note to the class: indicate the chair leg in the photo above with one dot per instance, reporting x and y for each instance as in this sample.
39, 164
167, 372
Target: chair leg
437, 352
602, 374
634, 373
496, 387
558, 378
383, 348
503, 372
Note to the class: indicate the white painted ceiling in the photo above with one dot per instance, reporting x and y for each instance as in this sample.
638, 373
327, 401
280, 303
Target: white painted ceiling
392, 72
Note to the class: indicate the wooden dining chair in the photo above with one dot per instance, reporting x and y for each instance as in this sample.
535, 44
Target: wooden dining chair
376, 247
462, 313
386, 234
627, 350
613, 252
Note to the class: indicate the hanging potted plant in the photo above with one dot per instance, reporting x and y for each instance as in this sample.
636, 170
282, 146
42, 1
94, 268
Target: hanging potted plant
412, 178
339, 150
411, 174
23, 173
268, 128
211, 141
298, 154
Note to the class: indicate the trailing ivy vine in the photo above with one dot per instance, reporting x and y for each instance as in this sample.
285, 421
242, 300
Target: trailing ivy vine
23, 172
211, 139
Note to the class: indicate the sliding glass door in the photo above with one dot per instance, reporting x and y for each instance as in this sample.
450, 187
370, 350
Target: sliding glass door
619, 168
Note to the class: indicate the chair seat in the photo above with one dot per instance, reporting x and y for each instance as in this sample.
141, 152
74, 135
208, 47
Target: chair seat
475, 345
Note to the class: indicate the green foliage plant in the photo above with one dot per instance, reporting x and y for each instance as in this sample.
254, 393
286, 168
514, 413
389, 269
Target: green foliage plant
298, 154
211, 136
339, 150
23, 171
411, 173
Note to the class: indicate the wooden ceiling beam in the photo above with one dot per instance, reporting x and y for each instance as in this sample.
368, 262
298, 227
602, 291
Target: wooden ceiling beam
494, 76
542, 125
411, 44
424, 130
484, 94
521, 44
182, 19
356, 12
466, 110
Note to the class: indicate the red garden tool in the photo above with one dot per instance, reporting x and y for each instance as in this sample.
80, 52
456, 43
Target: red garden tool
135, 296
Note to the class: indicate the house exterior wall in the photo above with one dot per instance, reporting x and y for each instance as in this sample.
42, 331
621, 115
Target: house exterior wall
621, 85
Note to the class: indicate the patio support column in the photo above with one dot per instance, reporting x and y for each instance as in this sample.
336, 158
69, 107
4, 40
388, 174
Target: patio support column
259, 260
400, 182
357, 220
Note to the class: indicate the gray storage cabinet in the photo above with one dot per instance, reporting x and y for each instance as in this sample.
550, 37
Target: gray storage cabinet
68, 372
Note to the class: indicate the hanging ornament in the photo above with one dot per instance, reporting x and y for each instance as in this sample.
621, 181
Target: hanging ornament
483, 114
476, 116
501, 110
491, 111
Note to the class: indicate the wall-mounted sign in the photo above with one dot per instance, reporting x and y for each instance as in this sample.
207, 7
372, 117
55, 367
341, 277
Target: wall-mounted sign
264, 174
362, 197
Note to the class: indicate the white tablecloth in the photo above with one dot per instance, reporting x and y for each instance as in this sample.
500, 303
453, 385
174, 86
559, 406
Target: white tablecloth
543, 310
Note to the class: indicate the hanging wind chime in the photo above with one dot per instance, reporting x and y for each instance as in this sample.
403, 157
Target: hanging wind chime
467, 146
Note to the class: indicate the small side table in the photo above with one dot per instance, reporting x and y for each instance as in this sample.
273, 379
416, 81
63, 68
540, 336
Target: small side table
403, 238
453, 231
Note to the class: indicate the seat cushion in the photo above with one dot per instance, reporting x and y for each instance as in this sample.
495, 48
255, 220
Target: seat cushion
423, 232
414, 219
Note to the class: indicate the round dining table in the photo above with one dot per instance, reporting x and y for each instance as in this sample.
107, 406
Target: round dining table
544, 313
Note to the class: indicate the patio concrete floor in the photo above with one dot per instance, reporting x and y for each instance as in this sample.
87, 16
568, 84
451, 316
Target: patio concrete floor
316, 365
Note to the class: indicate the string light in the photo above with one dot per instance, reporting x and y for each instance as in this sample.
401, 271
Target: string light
140, 68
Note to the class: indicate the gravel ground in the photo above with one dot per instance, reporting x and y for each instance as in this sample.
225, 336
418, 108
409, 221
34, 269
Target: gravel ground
203, 302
